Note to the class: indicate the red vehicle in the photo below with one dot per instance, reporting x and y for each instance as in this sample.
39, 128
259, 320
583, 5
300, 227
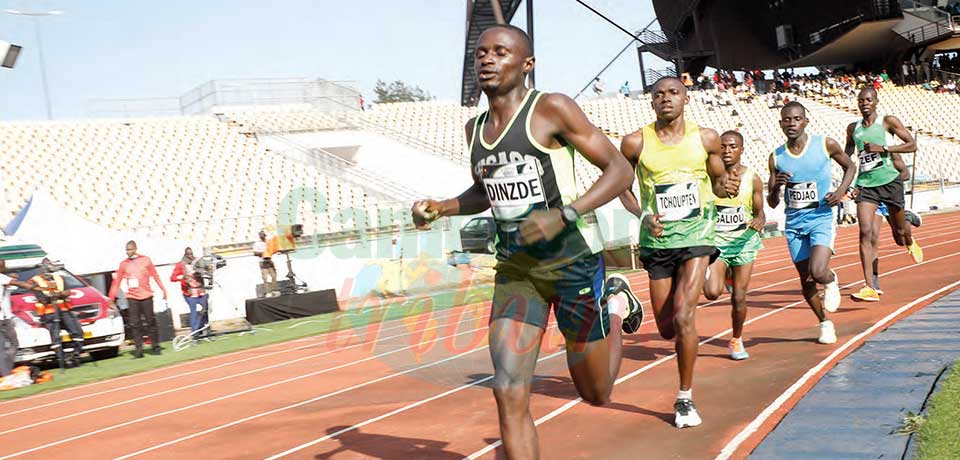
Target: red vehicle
102, 323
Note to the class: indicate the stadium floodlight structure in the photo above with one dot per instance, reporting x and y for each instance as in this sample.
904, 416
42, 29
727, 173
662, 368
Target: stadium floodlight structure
35, 16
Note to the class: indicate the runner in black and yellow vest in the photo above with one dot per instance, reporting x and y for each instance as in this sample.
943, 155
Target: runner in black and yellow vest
740, 222
522, 154
53, 307
880, 181
680, 170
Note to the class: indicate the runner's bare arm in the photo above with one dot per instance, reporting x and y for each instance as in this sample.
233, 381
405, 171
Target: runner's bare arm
837, 154
895, 127
773, 184
630, 147
851, 147
759, 217
564, 120
724, 184
473, 200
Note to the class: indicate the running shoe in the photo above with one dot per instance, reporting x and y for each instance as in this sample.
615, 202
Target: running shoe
866, 294
616, 284
686, 413
737, 352
916, 252
912, 217
828, 334
831, 294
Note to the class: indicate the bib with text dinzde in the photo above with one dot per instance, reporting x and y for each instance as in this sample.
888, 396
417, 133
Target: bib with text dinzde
731, 218
514, 189
869, 161
677, 201
802, 195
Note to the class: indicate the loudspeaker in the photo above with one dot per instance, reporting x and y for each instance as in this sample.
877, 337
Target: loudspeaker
8, 54
784, 36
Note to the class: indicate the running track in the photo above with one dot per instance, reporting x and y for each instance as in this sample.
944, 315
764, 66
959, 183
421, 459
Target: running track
419, 387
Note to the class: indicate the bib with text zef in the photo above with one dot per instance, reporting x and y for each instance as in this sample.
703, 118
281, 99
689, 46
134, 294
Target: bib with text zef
874, 168
674, 183
520, 176
810, 178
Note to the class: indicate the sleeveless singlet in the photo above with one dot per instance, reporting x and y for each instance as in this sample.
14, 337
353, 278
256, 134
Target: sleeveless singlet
810, 179
876, 169
520, 176
674, 183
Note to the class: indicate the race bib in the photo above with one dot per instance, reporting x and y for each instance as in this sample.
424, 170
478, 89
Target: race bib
132, 283
802, 195
731, 218
677, 201
514, 189
869, 161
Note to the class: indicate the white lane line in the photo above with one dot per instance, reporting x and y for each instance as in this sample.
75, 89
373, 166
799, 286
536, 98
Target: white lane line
233, 395
313, 343
753, 426
643, 369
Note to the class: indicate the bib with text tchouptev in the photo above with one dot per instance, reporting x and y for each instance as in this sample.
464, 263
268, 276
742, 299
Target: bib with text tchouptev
731, 218
677, 201
802, 195
514, 189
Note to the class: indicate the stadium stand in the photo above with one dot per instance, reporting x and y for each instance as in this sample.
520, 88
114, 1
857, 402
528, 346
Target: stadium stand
218, 179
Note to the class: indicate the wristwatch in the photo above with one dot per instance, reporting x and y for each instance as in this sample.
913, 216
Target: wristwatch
569, 215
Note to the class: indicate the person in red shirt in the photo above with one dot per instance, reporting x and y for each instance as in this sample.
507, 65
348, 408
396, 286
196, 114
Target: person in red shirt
135, 272
193, 292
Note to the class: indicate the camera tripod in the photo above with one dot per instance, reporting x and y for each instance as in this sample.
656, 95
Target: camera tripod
206, 332
293, 285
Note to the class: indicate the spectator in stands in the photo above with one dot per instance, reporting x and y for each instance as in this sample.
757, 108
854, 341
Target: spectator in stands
191, 285
265, 249
133, 277
598, 87
625, 89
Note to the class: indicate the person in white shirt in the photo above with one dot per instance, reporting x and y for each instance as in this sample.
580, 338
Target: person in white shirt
8, 332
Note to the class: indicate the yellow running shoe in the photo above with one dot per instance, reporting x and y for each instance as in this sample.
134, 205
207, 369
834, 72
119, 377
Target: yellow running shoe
866, 294
916, 252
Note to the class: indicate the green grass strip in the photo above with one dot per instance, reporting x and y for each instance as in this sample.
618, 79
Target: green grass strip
371, 311
940, 433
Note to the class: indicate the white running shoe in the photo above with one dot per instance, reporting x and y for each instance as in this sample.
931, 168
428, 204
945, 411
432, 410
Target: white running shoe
831, 294
686, 413
828, 334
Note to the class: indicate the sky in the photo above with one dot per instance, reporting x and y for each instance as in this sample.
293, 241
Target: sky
136, 49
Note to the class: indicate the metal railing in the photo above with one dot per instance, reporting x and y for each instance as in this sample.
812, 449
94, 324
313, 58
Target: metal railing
930, 31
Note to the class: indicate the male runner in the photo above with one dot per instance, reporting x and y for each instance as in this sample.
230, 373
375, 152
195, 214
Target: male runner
522, 156
679, 168
803, 166
740, 222
879, 182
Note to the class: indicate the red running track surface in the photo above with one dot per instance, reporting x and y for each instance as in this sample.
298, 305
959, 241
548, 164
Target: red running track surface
419, 387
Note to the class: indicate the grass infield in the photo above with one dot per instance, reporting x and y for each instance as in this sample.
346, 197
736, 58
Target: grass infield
940, 433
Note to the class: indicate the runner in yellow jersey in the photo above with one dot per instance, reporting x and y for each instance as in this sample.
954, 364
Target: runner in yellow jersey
680, 170
740, 222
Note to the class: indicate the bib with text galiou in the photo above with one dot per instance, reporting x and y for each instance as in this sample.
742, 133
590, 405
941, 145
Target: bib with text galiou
731, 218
514, 189
802, 195
677, 201
869, 161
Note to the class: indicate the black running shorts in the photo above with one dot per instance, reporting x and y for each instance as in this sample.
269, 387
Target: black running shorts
890, 194
574, 292
663, 263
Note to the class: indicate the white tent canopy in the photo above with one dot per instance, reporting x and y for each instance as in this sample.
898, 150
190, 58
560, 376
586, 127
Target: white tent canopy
86, 247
